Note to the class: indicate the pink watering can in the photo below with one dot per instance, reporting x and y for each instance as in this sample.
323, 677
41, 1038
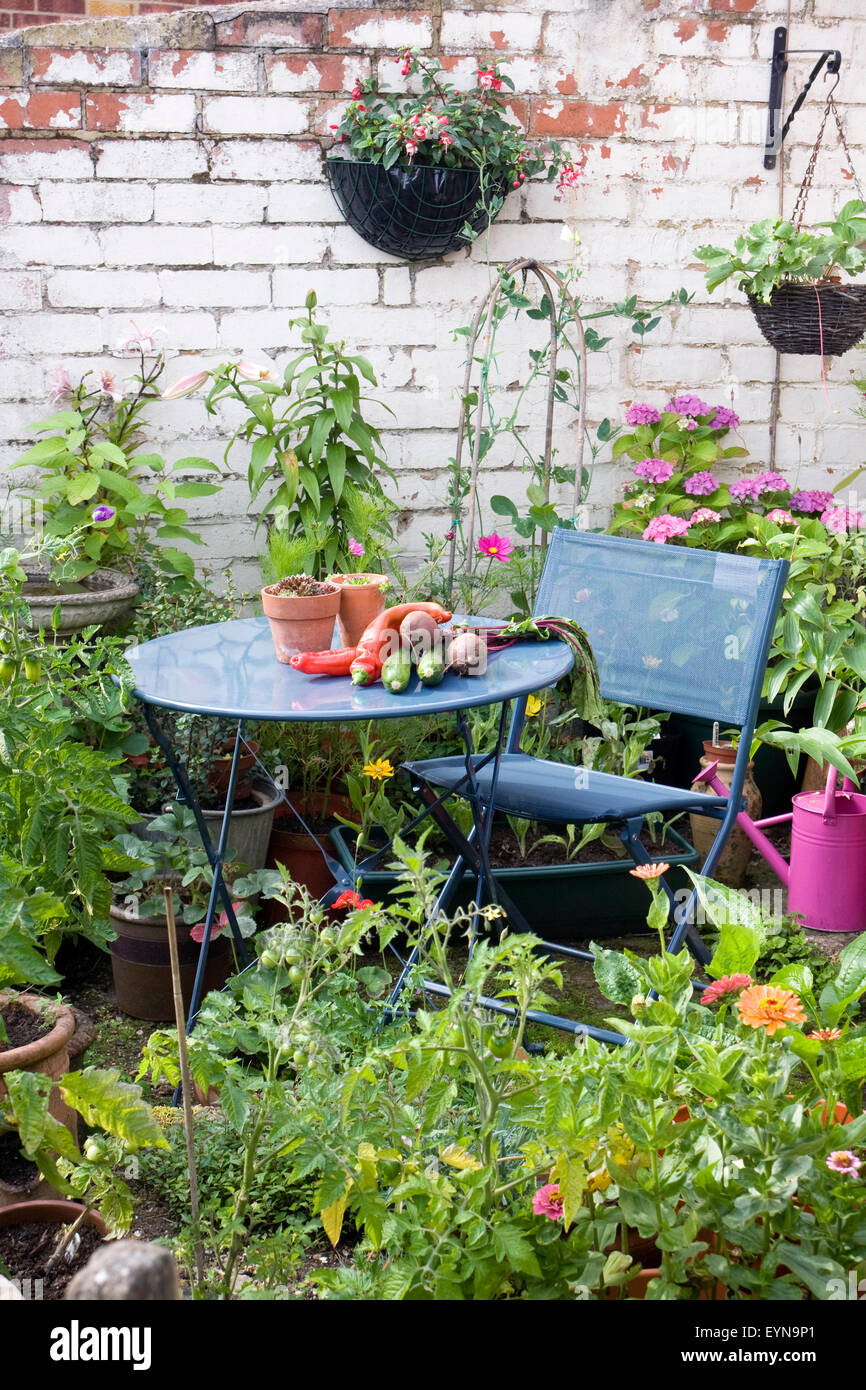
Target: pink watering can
826, 879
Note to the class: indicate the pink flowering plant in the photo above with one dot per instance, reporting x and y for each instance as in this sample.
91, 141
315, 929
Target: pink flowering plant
446, 128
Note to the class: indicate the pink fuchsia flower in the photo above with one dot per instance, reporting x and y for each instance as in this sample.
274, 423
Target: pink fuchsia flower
842, 519
745, 487
220, 926
59, 384
728, 984
687, 404
704, 514
495, 547
547, 1202
844, 1161
701, 484
411, 148
102, 513
781, 517
654, 470
724, 419
356, 91
810, 501
569, 177
664, 528
443, 120
185, 386
488, 81
772, 482
446, 140
641, 414
355, 548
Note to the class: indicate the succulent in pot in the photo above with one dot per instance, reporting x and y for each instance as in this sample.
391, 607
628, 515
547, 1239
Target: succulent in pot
301, 612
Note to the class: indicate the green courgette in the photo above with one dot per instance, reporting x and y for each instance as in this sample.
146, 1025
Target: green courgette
431, 668
396, 673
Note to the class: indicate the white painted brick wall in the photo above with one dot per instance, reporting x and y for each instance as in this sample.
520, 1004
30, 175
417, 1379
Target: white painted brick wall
192, 200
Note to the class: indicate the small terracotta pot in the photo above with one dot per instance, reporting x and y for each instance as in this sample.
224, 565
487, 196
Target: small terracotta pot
301, 623
48, 1056
359, 603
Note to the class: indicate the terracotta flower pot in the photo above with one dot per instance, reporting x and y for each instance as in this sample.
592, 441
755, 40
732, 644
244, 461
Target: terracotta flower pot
302, 856
359, 603
141, 964
301, 622
49, 1056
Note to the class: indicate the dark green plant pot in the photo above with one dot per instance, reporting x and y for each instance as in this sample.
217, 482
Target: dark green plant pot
561, 902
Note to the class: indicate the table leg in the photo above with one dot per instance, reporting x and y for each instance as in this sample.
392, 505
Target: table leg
216, 856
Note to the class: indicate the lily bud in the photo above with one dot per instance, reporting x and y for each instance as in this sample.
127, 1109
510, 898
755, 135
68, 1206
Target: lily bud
185, 386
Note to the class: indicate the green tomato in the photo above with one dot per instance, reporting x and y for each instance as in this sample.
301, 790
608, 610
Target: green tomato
299, 1057
269, 959
500, 1044
7, 671
32, 669
296, 975
94, 1149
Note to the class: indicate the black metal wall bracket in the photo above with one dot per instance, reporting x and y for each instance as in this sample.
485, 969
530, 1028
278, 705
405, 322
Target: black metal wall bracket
776, 131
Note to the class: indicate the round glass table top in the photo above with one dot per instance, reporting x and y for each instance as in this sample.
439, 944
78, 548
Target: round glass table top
229, 669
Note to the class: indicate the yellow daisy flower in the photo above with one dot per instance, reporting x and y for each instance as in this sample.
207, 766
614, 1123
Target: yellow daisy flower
380, 770
534, 706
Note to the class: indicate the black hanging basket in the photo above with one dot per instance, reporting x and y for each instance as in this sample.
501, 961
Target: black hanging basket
413, 213
813, 319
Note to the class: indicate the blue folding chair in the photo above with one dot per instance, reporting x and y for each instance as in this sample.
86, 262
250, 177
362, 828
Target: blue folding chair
672, 628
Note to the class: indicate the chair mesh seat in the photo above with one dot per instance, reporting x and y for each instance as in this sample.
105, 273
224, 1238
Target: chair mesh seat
538, 790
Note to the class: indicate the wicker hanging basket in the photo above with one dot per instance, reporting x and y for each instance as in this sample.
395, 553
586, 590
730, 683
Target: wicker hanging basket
810, 320
412, 213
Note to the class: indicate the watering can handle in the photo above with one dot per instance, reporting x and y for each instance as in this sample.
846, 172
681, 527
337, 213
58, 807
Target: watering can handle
829, 816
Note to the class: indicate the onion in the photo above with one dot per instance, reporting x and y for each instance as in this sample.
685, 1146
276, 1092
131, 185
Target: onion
467, 654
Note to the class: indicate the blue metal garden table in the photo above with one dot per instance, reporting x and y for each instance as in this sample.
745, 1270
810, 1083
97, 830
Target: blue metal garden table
228, 670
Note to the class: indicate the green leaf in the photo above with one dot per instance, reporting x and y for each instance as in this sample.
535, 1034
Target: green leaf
343, 400
118, 484
197, 489
81, 488
101, 1098
30, 1093
851, 1058
41, 452
322, 427
336, 463
176, 560
510, 1245
106, 450
615, 976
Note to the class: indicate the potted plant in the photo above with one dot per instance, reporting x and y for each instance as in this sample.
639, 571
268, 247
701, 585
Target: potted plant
792, 280
140, 959
425, 174
301, 612
35, 1038
362, 598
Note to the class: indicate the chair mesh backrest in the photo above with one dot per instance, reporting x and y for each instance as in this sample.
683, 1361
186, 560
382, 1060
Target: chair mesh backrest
672, 628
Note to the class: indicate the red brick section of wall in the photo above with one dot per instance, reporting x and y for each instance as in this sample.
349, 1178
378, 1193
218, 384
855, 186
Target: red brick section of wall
16, 14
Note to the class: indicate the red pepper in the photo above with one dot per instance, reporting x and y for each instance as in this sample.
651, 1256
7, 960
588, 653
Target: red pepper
367, 665
328, 663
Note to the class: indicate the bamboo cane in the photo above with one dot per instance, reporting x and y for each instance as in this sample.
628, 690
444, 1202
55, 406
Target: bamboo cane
185, 1081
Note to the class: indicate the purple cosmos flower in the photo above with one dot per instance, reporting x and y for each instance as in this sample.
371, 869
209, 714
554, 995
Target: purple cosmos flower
811, 501
654, 470
663, 527
725, 419
687, 404
102, 513
642, 415
701, 484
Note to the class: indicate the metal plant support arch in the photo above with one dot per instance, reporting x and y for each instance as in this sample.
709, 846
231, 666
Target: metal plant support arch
484, 323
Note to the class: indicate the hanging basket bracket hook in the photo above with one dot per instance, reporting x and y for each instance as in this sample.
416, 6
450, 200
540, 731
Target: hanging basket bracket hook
776, 129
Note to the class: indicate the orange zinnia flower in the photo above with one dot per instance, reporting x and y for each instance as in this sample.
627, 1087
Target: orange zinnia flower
768, 1006
649, 871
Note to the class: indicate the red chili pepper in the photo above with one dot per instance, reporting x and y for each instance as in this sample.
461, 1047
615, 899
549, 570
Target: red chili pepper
328, 663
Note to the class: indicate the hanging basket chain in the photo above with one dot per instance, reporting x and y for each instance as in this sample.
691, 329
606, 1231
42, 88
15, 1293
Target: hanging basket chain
805, 187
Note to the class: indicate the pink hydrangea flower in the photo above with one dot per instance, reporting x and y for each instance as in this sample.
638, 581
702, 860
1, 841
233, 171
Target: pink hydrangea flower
781, 517
641, 414
704, 514
841, 519
687, 404
663, 528
772, 482
654, 470
745, 487
724, 419
547, 1202
728, 984
811, 501
495, 547
701, 484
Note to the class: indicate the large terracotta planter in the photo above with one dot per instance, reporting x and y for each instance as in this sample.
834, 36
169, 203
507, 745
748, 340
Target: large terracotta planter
48, 1056
359, 603
302, 856
301, 623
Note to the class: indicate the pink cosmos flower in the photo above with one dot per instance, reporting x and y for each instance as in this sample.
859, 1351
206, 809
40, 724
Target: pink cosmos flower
355, 548
841, 519
728, 984
701, 484
654, 470
725, 419
495, 547
641, 414
704, 514
220, 926
547, 1202
662, 528
781, 517
687, 404
844, 1161
59, 384
185, 386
